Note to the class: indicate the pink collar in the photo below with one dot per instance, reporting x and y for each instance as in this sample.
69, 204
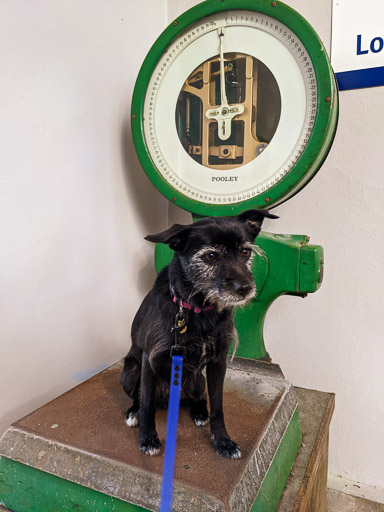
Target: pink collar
186, 305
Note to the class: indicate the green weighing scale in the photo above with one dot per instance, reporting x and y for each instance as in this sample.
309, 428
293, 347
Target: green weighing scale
235, 107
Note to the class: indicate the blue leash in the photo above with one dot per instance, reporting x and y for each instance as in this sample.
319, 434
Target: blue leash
170, 444
177, 353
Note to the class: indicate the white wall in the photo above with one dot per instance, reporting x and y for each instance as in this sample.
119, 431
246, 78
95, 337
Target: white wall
74, 202
334, 339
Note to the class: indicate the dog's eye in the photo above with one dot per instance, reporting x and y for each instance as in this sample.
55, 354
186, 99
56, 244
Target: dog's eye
245, 252
210, 257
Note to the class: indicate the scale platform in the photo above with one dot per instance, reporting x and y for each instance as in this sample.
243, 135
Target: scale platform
76, 453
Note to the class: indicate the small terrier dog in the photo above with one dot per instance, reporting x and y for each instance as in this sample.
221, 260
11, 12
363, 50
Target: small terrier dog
209, 275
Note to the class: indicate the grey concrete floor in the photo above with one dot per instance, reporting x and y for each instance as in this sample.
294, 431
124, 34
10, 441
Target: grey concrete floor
340, 502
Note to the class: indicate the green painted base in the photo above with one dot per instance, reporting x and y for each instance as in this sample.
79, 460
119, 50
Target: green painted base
26, 489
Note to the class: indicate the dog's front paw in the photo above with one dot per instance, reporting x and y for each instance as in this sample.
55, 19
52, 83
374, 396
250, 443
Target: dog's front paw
150, 445
227, 448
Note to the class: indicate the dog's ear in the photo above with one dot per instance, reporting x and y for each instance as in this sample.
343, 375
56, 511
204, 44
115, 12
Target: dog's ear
175, 237
253, 220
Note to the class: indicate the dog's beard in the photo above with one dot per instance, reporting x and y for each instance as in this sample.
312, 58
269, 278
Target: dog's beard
225, 299
222, 298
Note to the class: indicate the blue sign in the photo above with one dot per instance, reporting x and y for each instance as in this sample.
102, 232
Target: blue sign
357, 53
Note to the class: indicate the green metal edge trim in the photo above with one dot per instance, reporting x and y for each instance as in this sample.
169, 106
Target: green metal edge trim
274, 483
26, 489
324, 125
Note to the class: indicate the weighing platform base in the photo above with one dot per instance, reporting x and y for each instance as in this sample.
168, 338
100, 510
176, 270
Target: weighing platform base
76, 453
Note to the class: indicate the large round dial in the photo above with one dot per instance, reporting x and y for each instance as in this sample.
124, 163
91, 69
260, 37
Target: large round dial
234, 108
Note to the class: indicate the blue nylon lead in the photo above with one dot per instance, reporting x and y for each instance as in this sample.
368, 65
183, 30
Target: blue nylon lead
170, 440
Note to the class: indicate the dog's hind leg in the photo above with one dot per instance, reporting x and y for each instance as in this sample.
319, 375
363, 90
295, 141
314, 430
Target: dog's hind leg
149, 442
132, 415
199, 412
130, 380
198, 401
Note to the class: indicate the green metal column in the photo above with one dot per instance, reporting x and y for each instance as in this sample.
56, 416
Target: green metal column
286, 265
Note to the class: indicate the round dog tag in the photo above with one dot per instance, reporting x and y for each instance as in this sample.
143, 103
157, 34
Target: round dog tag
235, 107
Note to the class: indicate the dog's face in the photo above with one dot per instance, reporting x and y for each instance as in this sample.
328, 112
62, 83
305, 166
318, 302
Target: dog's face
215, 254
217, 260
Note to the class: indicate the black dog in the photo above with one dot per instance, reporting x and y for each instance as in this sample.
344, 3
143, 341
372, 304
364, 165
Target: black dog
210, 273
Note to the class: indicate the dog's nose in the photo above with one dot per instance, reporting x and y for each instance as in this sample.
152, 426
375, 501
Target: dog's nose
241, 289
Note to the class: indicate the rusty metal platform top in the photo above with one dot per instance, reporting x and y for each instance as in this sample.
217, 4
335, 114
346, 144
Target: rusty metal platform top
81, 436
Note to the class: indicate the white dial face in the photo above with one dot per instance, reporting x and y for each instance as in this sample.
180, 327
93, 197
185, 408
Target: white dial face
230, 107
